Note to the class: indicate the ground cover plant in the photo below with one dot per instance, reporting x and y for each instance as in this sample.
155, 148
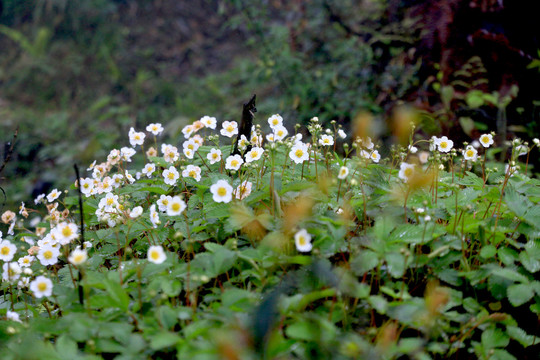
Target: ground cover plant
305, 243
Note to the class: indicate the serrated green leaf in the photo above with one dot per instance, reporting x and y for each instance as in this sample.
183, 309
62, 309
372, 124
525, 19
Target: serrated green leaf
494, 338
519, 294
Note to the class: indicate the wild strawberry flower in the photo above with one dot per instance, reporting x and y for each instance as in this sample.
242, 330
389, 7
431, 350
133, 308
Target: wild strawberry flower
406, 171
7, 250
191, 144
86, 185
48, 255
275, 121
66, 232
214, 156
189, 153
209, 122
486, 140
342, 134
230, 128
176, 206
156, 254
299, 153
198, 139
188, 130
154, 216
243, 190
375, 156
53, 195
163, 202
170, 175
221, 191
280, 132
470, 153
243, 143
26, 260
78, 257
136, 138
192, 171
302, 240
126, 153
343, 172
326, 140
444, 144
39, 199
254, 154
41, 286
233, 162
148, 170
11, 271
136, 212
13, 316
155, 128
423, 157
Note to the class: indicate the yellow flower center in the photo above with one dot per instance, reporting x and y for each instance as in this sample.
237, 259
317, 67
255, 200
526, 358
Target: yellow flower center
254, 153
176, 207
86, 185
66, 231
154, 255
190, 146
470, 153
234, 163
222, 191
5, 250
79, 258
444, 144
137, 137
230, 128
110, 201
165, 202
302, 240
214, 156
42, 286
193, 173
170, 175
48, 254
408, 172
299, 153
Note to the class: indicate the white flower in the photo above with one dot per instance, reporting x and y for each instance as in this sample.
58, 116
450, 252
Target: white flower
188, 130
406, 171
66, 232
109, 203
170, 153
254, 154
136, 138
214, 156
41, 286
7, 250
522, 150
176, 206
156, 254
155, 129
423, 156
342, 134
375, 156
53, 195
444, 144
127, 153
154, 216
129, 177
117, 180
233, 162
243, 190
39, 199
13, 316
270, 138
486, 140
412, 149
163, 202
190, 144
221, 191
192, 171
170, 175
299, 153
243, 143
148, 170
470, 153
78, 256
198, 139
433, 143
275, 121
114, 156
86, 185
209, 122
343, 172
326, 140
367, 143
280, 132
136, 212
189, 153
48, 255
230, 128
364, 154
302, 240
87, 245
26, 261
11, 271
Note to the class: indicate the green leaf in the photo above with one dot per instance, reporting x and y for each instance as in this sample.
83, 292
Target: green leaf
488, 251
364, 262
510, 274
163, 339
396, 264
521, 336
117, 294
519, 294
494, 338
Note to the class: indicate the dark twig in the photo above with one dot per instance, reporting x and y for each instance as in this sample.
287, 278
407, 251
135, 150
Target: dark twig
81, 297
7, 157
